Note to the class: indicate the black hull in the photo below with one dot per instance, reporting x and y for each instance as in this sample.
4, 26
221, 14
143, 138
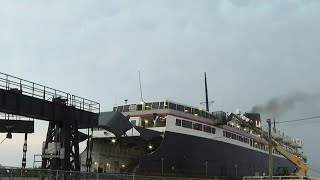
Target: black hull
186, 155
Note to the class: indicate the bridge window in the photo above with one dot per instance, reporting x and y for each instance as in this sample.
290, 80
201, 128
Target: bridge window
187, 109
162, 105
207, 129
196, 112
201, 113
172, 106
178, 122
228, 134
147, 106
133, 122
155, 105
139, 107
233, 136
180, 108
165, 105
161, 122
186, 124
213, 130
126, 108
197, 126
120, 108
147, 122
241, 138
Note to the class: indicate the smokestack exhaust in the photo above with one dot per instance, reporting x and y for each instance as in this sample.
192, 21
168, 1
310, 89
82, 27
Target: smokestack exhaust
280, 105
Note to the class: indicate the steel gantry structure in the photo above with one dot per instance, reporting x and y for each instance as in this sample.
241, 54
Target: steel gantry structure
65, 113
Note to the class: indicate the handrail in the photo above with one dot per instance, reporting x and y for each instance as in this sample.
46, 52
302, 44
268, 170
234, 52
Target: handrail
9, 82
85, 104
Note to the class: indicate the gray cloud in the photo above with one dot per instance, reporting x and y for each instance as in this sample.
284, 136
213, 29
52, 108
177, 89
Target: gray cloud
251, 50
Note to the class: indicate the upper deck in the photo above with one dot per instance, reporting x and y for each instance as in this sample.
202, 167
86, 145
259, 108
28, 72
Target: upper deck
147, 107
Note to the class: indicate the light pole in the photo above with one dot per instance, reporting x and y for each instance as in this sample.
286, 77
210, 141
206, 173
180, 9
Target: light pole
236, 166
270, 150
162, 166
206, 168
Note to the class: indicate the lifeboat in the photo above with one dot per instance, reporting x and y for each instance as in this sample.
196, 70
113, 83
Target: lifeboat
287, 140
276, 136
295, 144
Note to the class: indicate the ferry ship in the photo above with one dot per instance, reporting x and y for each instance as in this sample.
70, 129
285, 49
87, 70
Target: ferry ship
170, 138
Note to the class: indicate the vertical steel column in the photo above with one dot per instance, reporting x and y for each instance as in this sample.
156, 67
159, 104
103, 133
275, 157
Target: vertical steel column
270, 151
24, 156
88, 160
66, 134
66, 141
49, 138
70, 142
91, 148
75, 144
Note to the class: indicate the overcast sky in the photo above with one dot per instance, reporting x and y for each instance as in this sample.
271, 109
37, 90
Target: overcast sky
252, 51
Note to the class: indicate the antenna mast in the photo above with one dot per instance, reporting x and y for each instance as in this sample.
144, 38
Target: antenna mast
140, 87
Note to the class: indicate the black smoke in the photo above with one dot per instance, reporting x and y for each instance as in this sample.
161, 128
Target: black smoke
281, 105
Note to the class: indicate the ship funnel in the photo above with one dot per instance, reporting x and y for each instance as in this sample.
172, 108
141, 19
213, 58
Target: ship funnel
254, 119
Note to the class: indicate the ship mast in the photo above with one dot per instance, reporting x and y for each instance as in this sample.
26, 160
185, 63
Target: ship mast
207, 102
140, 88
206, 91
